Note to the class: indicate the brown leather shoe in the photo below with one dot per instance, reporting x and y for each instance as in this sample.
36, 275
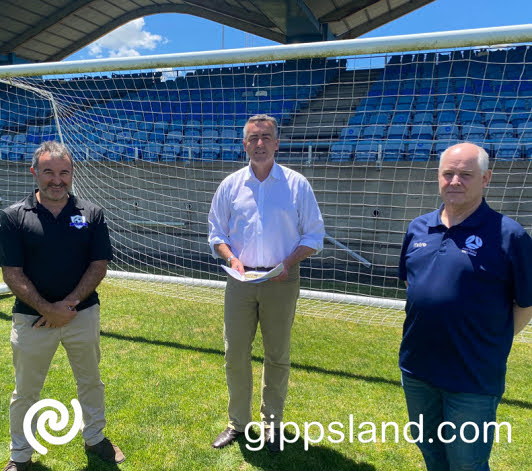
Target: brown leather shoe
106, 451
228, 436
18, 466
273, 440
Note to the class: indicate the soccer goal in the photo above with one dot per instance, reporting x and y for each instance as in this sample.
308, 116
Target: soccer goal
364, 120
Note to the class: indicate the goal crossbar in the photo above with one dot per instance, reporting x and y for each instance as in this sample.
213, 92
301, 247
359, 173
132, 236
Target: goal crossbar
400, 43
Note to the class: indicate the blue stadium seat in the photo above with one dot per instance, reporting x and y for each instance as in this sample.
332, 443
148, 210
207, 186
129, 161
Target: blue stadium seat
141, 137
474, 132
499, 131
518, 118
424, 106
341, 151
357, 119
379, 118
469, 117
528, 151
211, 152
161, 127
19, 139
158, 136
123, 137
190, 152
229, 137
16, 152
467, 103
191, 137
367, 150
393, 150
418, 150
170, 152
131, 152
446, 117
426, 118
351, 133
398, 132
401, 117
151, 152
231, 152
515, 105
373, 132
447, 131
495, 119
210, 135
145, 126
508, 149
490, 105
441, 144
524, 130
30, 149
174, 137
115, 152
421, 132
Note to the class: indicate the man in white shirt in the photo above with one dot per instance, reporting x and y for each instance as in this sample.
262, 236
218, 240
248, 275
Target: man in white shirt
260, 216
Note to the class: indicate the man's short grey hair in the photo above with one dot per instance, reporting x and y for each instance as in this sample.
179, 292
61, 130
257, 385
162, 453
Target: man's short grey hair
56, 151
483, 157
262, 118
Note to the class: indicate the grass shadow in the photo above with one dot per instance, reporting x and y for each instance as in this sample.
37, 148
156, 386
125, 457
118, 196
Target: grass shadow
294, 457
257, 358
96, 464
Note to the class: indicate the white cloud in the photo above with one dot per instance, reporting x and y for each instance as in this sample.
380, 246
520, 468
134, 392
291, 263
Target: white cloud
126, 41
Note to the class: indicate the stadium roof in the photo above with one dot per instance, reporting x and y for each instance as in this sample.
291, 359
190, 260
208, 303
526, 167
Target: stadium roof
50, 30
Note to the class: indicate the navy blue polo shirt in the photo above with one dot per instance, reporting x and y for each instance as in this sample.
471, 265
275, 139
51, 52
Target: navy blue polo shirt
53, 252
462, 283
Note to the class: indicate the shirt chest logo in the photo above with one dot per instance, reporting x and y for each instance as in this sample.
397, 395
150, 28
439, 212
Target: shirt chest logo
472, 244
79, 222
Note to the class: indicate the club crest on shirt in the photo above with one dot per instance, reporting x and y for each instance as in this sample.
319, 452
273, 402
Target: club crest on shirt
472, 244
79, 222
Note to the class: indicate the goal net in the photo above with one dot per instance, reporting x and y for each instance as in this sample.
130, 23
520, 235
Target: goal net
152, 144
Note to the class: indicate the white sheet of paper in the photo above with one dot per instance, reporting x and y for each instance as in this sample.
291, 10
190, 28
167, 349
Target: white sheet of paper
254, 276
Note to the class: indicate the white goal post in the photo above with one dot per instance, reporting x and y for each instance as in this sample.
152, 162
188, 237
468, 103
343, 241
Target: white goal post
363, 120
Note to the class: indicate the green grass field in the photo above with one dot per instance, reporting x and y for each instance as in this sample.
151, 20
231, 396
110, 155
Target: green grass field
162, 363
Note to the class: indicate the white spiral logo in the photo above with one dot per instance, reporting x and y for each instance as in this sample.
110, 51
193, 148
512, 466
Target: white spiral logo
53, 423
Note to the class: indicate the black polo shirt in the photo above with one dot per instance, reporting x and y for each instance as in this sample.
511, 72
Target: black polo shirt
53, 252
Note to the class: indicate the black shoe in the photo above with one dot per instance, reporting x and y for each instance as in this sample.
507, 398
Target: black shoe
228, 436
272, 437
106, 451
18, 465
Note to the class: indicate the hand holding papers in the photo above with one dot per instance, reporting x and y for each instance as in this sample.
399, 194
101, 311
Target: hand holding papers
254, 276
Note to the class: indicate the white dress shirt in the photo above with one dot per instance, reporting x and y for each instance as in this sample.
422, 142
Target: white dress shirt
264, 222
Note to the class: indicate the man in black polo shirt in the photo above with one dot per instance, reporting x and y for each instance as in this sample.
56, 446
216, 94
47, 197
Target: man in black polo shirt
54, 250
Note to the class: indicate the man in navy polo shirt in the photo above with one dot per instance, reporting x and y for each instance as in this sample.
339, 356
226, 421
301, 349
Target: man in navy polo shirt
54, 250
469, 291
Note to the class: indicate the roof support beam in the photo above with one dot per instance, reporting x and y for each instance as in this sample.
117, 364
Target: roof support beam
343, 12
383, 19
46, 23
320, 28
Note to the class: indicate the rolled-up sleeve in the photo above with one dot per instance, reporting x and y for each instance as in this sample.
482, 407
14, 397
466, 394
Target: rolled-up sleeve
219, 220
311, 224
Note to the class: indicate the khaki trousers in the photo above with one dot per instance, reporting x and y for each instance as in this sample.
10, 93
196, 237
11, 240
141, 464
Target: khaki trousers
33, 350
273, 305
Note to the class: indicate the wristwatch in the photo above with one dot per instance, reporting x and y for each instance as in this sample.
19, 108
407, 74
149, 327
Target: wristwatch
229, 259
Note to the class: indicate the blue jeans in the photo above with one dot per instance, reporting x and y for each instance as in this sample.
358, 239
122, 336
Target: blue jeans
436, 406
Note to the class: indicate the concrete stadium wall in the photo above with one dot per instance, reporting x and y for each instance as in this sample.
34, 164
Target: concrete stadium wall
163, 207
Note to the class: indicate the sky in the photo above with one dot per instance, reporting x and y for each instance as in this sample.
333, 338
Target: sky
174, 33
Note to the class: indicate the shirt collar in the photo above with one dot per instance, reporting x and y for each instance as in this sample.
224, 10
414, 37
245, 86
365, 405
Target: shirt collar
275, 172
473, 220
32, 202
